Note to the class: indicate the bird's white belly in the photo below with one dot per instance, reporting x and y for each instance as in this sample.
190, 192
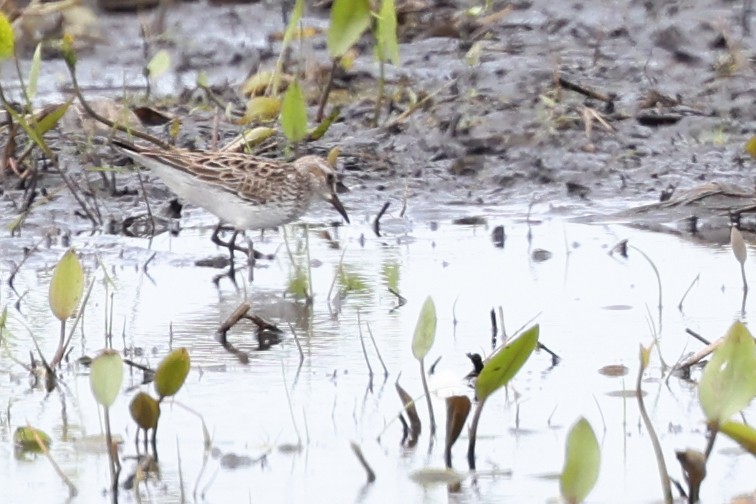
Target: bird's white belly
225, 205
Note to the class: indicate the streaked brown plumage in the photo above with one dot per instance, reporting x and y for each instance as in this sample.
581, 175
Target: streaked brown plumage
245, 191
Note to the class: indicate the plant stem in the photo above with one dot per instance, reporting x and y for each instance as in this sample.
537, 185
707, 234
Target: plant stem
473, 435
115, 466
379, 98
428, 398
664, 475
326, 92
107, 122
61, 346
742, 273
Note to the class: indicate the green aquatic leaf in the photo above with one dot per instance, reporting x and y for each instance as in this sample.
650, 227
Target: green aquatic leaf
171, 373
7, 39
66, 286
159, 64
145, 410
36, 65
425, 330
51, 118
744, 435
387, 45
261, 108
25, 438
728, 382
106, 376
505, 363
294, 18
318, 131
349, 20
750, 146
581, 463
294, 113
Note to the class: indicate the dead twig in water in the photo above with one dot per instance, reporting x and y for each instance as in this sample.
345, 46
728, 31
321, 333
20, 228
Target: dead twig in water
72, 490
401, 300
364, 350
586, 91
376, 221
375, 345
697, 336
27, 254
361, 457
687, 291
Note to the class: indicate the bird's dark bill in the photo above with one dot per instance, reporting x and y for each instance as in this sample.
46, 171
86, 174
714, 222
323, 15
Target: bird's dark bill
338, 206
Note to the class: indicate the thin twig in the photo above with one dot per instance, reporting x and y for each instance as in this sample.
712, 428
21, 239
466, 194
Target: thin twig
687, 291
375, 345
72, 490
362, 343
299, 345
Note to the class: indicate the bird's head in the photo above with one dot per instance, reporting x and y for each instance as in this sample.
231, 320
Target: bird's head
322, 180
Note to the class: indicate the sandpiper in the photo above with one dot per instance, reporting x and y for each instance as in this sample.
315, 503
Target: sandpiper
247, 192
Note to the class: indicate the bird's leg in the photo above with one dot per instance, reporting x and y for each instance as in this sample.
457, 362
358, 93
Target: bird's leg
218, 241
231, 247
251, 257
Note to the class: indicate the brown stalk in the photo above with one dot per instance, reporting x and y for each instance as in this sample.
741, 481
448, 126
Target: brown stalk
326, 92
361, 457
457, 410
107, 122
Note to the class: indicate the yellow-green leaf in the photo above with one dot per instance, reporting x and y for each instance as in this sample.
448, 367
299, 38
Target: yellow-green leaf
66, 286
294, 113
36, 64
296, 16
425, 330
581, 463
645, 356
67, 51
387, 45
145, 410
106, 376
261, 108
29, 130
728, 382
7, 39
259, 82
505, 363
51, 118
171, 373
26, 440
159, 64
349, 20
202, 80
321, 129
750, 146
744, 435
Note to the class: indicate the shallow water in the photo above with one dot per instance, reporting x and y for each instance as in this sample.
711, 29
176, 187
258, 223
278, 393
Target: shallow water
595, 309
